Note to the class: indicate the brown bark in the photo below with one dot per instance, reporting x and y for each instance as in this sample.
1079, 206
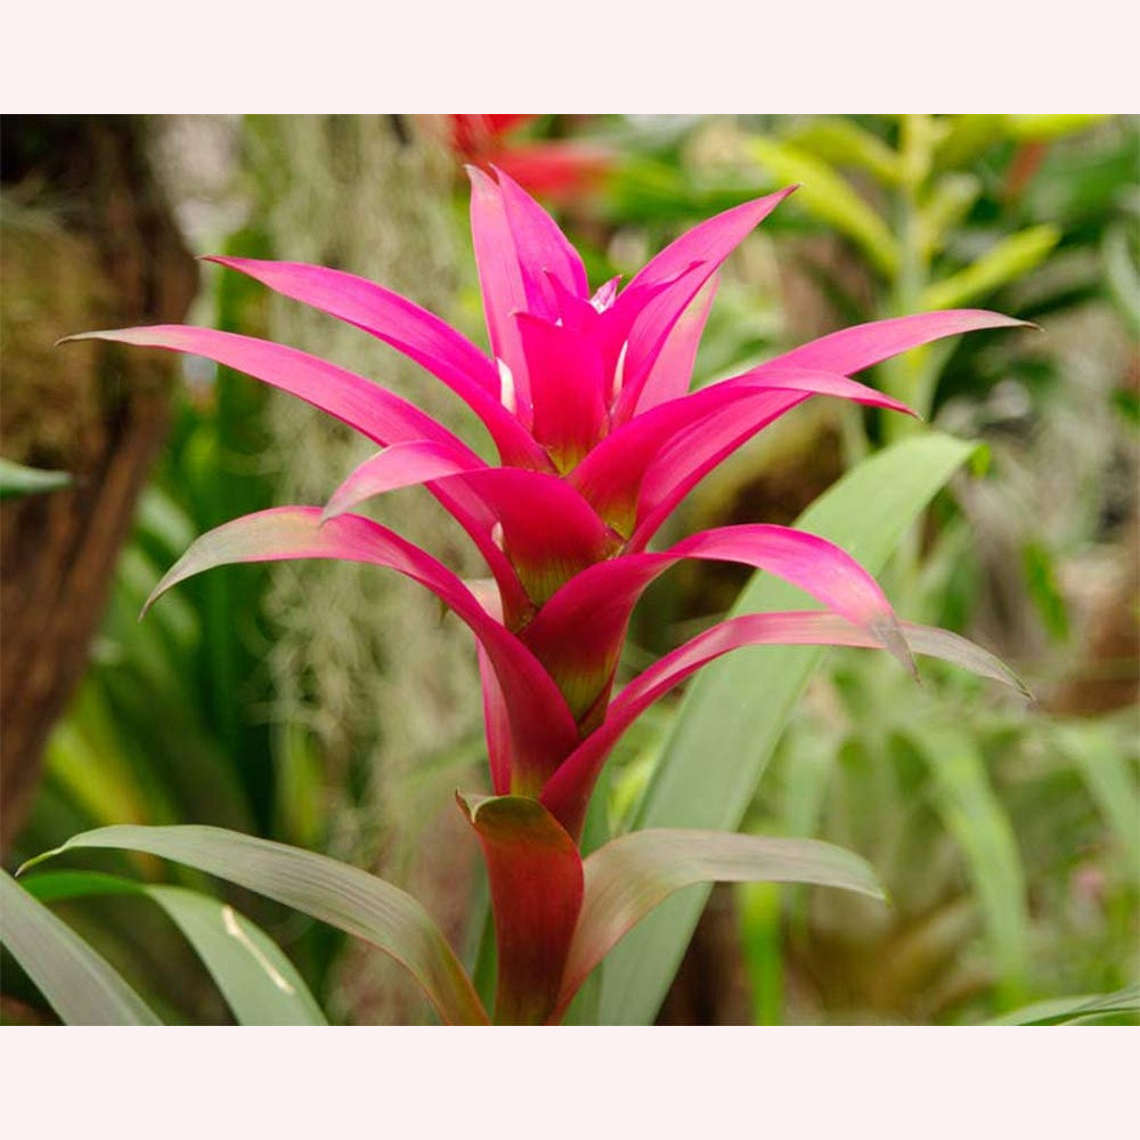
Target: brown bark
88, 242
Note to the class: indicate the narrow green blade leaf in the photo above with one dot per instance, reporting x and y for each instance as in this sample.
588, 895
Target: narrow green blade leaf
1064, 1011
333, 892
630, 876
583, 1010
1009, 259
829, 196
845, 143
735, 711
258, 982
974, 815
16, 480
1094, 751
81, 987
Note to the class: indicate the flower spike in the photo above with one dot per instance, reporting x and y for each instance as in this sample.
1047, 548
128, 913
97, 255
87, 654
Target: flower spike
586, 397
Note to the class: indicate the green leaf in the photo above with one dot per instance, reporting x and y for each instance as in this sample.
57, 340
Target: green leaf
1044, 128
974, 815
1067, 1010
257, 980
1093, 749
735, 711
827, 195
965, 137
1044, 590
1121, 274
946, 205
16, 480
1011, 258
332, 892
585, 1007
77, 982
632, 875
844, 143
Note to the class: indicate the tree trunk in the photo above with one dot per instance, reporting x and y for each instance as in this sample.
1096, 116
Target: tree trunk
88, 243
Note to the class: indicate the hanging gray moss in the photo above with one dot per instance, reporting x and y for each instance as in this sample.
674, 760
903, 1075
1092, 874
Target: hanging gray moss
365, 661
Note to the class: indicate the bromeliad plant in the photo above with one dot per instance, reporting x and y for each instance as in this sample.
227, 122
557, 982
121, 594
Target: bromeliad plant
586, 399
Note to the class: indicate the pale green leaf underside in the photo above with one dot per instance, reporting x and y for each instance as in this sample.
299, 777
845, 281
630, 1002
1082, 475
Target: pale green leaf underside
77, 982
330, 891
258, 981
735, 711
1068, 1010
630, 876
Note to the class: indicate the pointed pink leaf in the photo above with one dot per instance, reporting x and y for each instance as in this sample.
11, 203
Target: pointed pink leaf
501, 281
578, 634
535, 875
373, 411
542, 249
576, 313
515, 504
420, 335
646, 338
496, 724
611, 476
567, 792
860, 346
630, 876
542, 730
567, 388
550, 533
672, 371
400, 465
426, 461
693, 452
708, 243
496, 720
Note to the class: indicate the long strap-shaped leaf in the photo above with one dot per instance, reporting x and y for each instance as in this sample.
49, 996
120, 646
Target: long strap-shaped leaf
973, 814
734, 713
258, 981
1074, 1010
333, 892
630, 876
78, 983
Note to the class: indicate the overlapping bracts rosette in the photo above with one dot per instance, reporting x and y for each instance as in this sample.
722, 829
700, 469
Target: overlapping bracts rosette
585, 396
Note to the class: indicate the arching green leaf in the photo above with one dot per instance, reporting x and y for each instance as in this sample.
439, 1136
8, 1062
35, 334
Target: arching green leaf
259, 983
77, 982
333, 892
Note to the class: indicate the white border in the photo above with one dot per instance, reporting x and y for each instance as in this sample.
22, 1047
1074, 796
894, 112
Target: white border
572, 1083
589, 56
